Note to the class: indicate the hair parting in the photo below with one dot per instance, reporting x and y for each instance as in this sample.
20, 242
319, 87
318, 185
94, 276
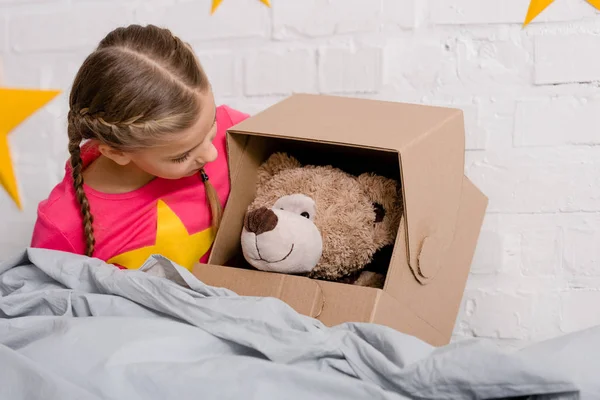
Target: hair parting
140, 84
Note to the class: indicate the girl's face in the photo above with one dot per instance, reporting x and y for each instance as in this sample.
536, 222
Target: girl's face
187, 152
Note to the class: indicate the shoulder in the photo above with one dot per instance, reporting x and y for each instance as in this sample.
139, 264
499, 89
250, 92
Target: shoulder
58, 222
228, 117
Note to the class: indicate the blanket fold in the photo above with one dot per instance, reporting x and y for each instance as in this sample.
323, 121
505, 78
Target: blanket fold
75, 327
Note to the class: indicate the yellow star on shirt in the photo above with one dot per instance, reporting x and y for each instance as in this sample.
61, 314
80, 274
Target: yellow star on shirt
16, 105
216, 4
172, 241
537, 6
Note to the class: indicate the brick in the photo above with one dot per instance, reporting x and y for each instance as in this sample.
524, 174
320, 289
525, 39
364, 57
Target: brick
578, 310
541, 251
537, 252
475, 131
192, 21
566, 59
424, 66
401, 13
582, 253
504, 315
350, 70
557, 121
489, 253
469, 12
488, 121
494, 64
317, 18
220, 68
498, 253
496, 119
280, 72
44, 70
54, 30
542, 180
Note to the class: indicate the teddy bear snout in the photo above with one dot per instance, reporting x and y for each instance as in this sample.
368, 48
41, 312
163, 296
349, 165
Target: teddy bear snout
260, 220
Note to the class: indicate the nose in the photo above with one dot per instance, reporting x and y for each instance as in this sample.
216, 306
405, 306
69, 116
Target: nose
211, 154
260, 220
207, 155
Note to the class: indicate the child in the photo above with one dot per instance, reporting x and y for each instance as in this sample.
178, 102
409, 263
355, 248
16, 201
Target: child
151, 176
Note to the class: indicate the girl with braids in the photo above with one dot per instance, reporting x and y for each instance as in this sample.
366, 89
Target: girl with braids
148, 170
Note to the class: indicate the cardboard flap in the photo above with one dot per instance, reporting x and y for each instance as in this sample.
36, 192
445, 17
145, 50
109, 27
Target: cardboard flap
345, 120
432, 177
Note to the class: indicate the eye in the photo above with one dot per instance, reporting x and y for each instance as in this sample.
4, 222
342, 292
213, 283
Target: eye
181, 159
379, 212
305, 215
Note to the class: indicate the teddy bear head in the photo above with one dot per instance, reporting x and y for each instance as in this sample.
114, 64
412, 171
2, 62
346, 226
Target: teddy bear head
318, 221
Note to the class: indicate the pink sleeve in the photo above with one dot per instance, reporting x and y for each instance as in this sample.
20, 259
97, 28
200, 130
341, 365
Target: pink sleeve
46, 235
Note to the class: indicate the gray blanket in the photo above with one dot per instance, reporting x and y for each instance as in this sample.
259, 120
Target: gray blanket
76, 328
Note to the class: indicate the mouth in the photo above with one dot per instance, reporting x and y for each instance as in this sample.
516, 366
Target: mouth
268, 261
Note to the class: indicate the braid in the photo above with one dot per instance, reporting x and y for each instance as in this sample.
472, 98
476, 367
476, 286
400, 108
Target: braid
77, 166
118, 130
213, 200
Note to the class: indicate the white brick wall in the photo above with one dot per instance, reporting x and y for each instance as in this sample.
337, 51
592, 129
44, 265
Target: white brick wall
530, 98
280, 71
565, 58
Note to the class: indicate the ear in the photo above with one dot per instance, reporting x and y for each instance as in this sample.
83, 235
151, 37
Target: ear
117, 156
276, 163
386, 196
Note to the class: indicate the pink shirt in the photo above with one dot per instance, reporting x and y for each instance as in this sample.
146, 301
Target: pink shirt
168, 217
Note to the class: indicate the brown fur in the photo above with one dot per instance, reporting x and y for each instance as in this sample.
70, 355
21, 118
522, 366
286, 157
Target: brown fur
345, 212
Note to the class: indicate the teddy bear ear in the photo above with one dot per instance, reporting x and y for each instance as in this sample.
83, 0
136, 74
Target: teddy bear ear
386, 196
384, 193
276, 163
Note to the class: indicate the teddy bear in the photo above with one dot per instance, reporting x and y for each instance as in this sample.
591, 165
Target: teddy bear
320, 221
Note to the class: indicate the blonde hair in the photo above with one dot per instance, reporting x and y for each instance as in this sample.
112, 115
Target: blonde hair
139, 84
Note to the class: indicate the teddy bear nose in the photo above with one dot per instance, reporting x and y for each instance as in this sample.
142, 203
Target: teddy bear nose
260, 221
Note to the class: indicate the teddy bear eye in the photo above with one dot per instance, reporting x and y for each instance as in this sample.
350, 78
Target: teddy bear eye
305, 214
379, 212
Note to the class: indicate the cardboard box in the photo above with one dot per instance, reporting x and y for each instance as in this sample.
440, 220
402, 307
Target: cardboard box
423, 147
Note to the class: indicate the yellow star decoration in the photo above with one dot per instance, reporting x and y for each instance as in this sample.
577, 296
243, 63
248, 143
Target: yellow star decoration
216, 4
537, 6
172, 241
16, 105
